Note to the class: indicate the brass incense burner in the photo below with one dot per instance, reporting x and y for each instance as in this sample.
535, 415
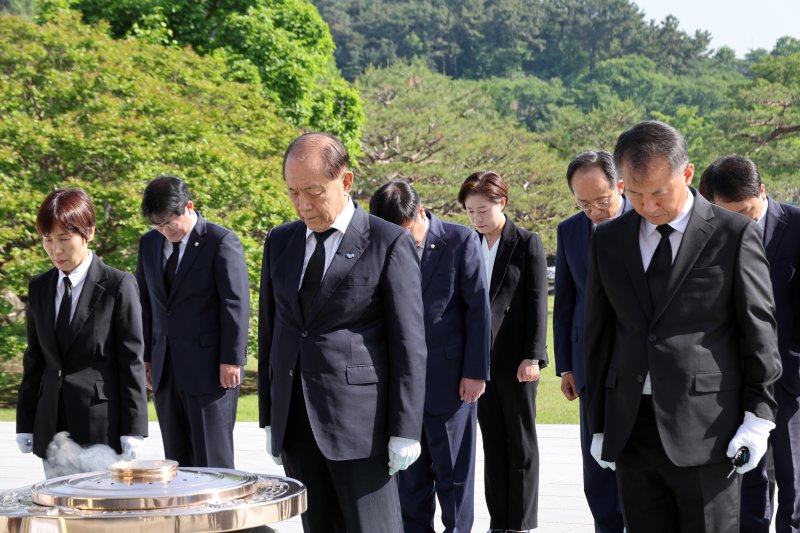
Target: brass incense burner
152, 496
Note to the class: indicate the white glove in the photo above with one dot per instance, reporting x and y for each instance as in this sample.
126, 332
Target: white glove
753, 433
132, 446
597, 451
25, 442
277, 459
402, 453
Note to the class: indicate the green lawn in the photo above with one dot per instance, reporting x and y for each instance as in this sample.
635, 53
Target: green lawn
551, 406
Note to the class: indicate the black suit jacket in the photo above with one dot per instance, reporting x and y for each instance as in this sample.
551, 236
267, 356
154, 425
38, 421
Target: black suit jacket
99, 377
456, 309
205, 317
361, 348
518, 300
782, 244
710, 346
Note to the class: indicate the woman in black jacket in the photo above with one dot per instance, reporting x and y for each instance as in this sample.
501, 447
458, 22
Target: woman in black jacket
517, 273
82, 370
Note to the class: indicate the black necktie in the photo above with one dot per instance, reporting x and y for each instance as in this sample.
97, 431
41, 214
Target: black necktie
660, 266
312, 279
172, 266
62, 321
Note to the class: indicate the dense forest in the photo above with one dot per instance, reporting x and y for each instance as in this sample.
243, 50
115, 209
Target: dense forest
106, 94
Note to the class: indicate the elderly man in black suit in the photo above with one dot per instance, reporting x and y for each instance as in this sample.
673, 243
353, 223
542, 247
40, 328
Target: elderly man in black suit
341, 346
734, 183
195, 305
681, 347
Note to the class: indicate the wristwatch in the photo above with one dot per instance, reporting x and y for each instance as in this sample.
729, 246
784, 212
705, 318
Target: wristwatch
534, 362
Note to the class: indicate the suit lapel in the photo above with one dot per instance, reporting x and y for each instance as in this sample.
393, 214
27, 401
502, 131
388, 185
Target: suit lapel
507, 243
632, 257
354, 242
93, 289
432, 251
157, 267
193, 247
292, 265
698, 232
47, 305
584, 236
773, 230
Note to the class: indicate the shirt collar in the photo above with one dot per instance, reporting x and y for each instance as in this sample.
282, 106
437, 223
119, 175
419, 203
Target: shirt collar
342, 220
191, 229
425, 235
79, 273
762, 218
679, 222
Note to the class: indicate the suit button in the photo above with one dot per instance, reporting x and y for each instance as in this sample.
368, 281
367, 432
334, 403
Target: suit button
169, 312
291, 373
304, 334
652, 338
640, 378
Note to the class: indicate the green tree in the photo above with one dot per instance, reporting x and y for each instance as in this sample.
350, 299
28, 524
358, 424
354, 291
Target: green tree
433, 132
284, 44
80, 109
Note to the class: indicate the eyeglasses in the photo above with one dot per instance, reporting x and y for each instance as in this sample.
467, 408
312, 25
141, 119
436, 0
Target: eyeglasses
602, 203
169, 225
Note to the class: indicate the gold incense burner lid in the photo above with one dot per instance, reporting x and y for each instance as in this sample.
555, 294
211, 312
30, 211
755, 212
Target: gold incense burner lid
140, 485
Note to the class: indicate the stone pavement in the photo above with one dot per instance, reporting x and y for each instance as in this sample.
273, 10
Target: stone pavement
562, 507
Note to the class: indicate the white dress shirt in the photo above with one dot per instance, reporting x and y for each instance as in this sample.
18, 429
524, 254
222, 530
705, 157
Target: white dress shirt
762, 218
648, 241
489, 255
332, 242
77, 278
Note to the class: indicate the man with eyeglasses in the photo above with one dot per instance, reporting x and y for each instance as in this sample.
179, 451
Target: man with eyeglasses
592, 179
195, 306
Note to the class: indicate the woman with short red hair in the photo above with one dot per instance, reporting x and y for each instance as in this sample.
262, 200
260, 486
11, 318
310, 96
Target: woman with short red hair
82, 370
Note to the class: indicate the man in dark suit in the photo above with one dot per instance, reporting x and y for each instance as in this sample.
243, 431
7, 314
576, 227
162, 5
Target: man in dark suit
681, 351
195, 305
734, 183
341, 346
592, 179
458, 334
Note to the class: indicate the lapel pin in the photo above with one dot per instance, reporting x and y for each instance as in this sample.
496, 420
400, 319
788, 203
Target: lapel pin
196, 243
433, 246
349, 255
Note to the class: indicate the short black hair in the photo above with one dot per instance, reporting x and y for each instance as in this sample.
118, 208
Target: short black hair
396, 202
731, 178
165, 195
639, 146
594, 158
328, 147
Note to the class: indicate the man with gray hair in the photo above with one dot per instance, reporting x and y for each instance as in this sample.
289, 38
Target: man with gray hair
341, 342
681, 351
592, 180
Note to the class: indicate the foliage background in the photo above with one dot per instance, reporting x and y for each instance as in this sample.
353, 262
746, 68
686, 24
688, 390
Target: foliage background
106, 94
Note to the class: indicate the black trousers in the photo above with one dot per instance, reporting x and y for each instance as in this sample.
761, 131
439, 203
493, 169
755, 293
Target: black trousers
780, 467
355, 496
599, 484
197, 430
507, 417
659, 497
